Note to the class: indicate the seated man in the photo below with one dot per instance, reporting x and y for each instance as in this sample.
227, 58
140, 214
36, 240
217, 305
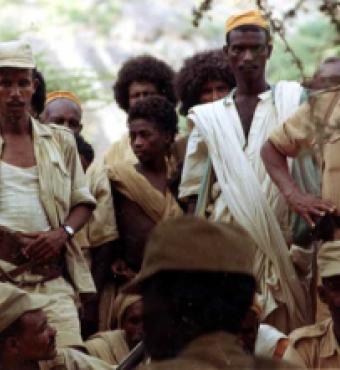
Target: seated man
28, 342
317, 346
114, 346
44, 199
63, 108
198, 295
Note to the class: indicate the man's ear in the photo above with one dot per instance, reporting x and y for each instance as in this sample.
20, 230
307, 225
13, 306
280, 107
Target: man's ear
12, 346
322, 294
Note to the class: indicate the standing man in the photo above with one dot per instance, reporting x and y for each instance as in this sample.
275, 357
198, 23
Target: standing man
232, 185
194, 299
43, 198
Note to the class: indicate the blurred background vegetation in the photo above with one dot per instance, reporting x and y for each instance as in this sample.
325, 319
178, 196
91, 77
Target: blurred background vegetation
80, 44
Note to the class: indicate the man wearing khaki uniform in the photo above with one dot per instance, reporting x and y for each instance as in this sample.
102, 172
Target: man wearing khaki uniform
317, 346
27, 341
43, 199
196, 281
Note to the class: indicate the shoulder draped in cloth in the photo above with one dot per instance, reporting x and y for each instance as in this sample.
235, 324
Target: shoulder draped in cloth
249, 194
128, 181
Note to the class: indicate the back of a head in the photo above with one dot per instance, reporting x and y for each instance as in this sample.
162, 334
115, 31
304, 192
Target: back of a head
197, 279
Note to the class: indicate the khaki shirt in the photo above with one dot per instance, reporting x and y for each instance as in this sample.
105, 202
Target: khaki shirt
316, 125
62, 186
314, 347
215, 351
102, 227
70, 359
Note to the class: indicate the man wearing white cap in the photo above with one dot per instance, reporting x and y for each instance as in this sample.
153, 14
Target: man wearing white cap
224, 170
28, 342
43, 198
318, 346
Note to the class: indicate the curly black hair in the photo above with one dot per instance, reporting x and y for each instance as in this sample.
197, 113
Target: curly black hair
158, 110
196, 71
39, 96
144, 68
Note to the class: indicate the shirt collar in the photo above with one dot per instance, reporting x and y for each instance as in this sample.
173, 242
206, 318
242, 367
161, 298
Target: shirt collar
229, 99
40, 129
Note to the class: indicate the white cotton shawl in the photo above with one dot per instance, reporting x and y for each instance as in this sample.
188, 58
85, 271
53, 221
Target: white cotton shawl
246, 195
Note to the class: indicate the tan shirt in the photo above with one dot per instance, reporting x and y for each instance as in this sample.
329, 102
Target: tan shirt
315, 126
215, 351
62, 186
70, 359
314, 347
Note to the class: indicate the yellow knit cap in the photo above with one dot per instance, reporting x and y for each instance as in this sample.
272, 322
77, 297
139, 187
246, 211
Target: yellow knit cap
63, 95
249, 17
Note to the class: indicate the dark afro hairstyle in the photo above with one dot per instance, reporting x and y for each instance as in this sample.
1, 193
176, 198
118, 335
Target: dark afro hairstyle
157, 110
196, 71
39, 96
144, 68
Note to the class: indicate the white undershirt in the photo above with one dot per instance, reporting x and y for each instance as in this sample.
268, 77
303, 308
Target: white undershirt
20, 205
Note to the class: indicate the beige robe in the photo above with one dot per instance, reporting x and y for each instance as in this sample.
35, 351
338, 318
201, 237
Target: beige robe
156, 205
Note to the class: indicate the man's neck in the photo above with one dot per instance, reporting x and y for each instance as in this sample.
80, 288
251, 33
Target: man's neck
251, 88
13, 126
157, 166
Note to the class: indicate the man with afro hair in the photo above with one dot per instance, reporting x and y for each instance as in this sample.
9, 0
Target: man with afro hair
203, 78
138, 78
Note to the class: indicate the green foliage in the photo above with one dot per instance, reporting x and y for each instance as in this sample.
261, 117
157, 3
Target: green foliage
99, 15
313, 41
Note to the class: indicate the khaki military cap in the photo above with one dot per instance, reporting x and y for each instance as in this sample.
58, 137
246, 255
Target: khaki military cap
14, 302
194, 244
329, 259
16, 54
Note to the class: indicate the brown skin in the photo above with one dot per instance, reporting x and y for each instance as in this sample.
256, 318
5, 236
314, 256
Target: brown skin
139, 90
250, 327
328, 75
247, 54
34, 342
329, 293
150, 146
306, 205
132, 324
16, 89
213, 90
63, 112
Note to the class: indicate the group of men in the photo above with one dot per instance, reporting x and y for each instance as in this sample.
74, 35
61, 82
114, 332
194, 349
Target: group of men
191, 251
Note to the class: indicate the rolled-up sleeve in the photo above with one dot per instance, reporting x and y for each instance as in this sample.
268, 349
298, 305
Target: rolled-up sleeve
194, 165
295, 134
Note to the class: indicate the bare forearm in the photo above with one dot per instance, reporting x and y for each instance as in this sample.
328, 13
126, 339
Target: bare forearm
78, 216
277, 168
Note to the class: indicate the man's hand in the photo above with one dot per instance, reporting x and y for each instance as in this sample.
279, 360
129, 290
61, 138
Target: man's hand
45, 245
309, 206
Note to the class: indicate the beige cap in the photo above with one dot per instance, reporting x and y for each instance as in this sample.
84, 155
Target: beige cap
14, 302
194, 244
16, 54
329, 259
